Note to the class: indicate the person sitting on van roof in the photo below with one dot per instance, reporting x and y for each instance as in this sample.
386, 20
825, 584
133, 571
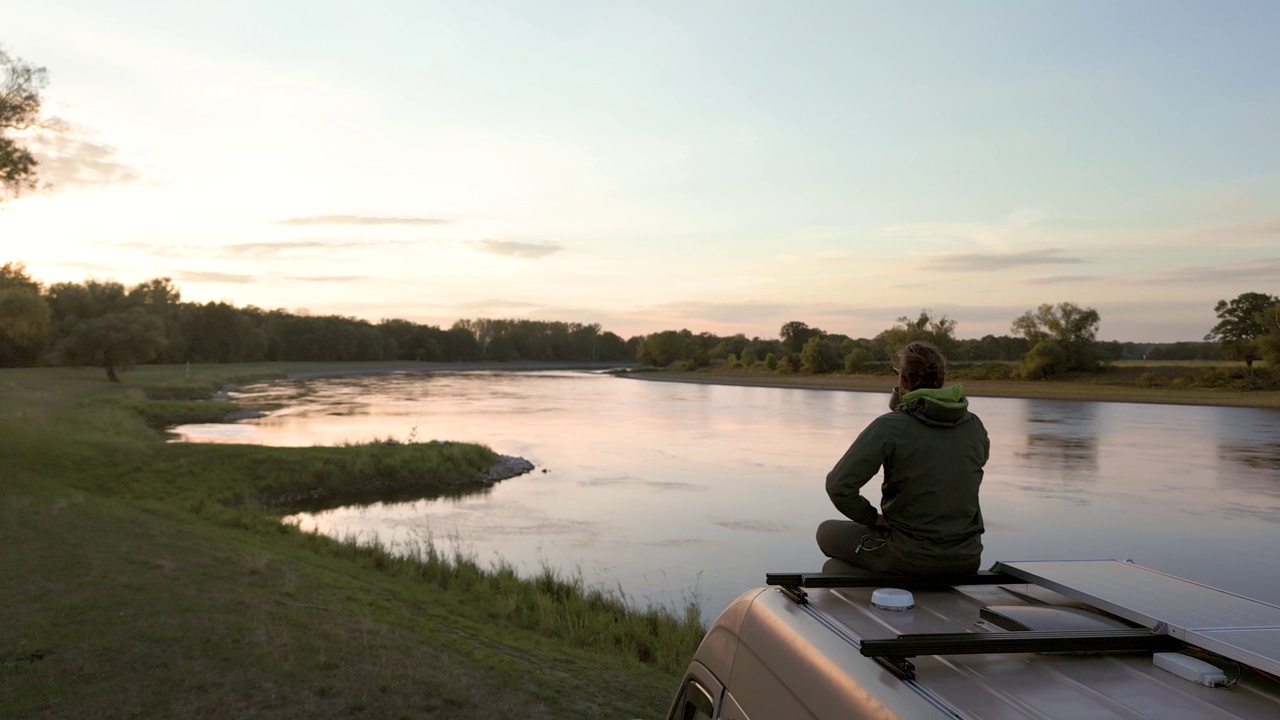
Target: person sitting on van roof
932, 450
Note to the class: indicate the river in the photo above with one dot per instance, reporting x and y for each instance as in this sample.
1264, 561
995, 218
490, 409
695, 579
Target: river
668, 492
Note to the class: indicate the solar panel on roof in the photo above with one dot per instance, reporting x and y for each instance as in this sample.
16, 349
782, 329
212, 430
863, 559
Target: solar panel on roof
1237, 627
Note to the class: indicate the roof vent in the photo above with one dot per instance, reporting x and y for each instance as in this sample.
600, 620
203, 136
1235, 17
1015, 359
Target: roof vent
893, 599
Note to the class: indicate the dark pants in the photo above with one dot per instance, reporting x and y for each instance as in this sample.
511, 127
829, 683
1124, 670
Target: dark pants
858, 545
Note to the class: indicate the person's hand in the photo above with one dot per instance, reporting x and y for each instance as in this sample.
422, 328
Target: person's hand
881, 520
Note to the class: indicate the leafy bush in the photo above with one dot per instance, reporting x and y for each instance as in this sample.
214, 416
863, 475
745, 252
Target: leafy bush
785, 366
819, 356
748, 358
1269, 345
857, 359
771, 362
1047, 358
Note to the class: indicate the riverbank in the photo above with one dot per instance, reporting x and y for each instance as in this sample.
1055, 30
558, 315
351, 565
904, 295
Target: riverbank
150, 579
430, 367
1087, 389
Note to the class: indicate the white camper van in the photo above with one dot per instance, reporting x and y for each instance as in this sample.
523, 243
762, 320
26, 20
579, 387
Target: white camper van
1045, 640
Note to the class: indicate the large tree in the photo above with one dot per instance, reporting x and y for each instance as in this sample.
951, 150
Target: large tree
819, 355
116, 340
1241, 324
795, 334
72, 302
24, 317
1068, 334
939, 331
660, 349
14, 274
1269, 343
20, 86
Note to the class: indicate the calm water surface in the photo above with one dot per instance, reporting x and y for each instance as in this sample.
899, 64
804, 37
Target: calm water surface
670, 491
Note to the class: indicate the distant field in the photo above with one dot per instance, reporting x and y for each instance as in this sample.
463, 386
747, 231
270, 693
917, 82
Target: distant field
1135, 383
1185, 363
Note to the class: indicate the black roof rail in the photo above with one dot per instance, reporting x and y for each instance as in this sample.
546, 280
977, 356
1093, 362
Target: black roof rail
1022, 641
893, 653
791, 583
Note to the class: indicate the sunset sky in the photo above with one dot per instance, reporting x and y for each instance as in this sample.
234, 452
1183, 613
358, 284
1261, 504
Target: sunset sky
716, 166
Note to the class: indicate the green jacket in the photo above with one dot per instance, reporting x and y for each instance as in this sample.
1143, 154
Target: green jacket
932, 450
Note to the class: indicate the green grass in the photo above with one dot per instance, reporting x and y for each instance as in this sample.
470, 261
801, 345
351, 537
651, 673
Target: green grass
145, 579
163, 413
1234, 364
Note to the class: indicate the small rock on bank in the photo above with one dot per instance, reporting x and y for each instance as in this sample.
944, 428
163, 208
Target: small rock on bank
506, 467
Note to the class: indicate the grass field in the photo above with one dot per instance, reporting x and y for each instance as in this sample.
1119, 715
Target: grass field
145, 579
1184, 363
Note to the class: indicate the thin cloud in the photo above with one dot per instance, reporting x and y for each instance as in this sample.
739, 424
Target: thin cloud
1254, 235
1262, 227
1267, 269
1060, 279
260, 250
907, 285
1017, 225
823, 257
718, 312
359, 220
268, 249
68, 160
492, 306
517, 249
978, 262
201, 276
327, 278
91, 267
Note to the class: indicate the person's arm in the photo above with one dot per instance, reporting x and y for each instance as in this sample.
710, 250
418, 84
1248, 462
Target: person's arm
986, 441
860, 463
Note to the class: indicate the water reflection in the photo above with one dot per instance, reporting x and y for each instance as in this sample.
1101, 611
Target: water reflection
668, 489
1248, 445
1059, 453
376, 502
1062, 439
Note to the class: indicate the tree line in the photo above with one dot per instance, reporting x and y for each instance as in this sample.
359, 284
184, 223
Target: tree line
1050, 340
105, 324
